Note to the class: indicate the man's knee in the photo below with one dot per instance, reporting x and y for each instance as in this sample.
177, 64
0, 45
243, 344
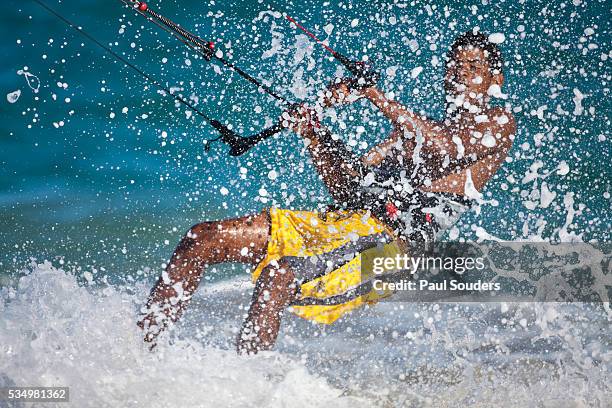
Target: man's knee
277, 280
198, 235
228, 240
202, 229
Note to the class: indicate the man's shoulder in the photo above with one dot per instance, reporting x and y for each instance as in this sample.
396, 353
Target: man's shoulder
501, 117
503, 126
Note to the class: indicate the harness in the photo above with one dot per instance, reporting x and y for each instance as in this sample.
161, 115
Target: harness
415, 216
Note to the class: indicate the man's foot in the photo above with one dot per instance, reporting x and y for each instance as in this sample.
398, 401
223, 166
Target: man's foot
151, 329
274, 290
249, 341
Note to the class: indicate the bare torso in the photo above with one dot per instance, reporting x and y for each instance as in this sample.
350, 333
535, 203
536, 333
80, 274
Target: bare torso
479, 149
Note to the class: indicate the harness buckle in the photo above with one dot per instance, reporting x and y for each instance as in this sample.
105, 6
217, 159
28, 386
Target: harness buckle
392, 210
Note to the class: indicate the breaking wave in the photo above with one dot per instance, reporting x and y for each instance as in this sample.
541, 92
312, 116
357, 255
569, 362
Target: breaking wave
56, 331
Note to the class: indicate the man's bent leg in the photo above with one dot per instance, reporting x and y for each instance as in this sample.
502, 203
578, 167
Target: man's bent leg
274, 290
236, 240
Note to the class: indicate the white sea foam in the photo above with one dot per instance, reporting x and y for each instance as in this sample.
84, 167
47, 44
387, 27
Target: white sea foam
497, 38
577, 99
416, 71
12, 97
56, 332
32, 80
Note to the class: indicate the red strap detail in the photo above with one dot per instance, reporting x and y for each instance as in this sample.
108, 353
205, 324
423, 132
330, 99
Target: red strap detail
428, 217
314, 119
391, 210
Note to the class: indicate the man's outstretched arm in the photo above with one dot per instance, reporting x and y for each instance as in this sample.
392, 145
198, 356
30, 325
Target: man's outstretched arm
443, 142
404, 119
437, 141
339, 168
341, 93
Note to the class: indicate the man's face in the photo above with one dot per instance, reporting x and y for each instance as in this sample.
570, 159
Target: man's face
468, 77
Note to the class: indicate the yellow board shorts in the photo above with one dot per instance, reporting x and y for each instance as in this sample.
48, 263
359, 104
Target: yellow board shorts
324, 252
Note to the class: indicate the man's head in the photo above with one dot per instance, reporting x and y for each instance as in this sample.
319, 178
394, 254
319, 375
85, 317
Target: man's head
474, 64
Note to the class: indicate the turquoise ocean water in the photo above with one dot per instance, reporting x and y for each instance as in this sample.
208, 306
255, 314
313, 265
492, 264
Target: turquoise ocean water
100, 176
109, 188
